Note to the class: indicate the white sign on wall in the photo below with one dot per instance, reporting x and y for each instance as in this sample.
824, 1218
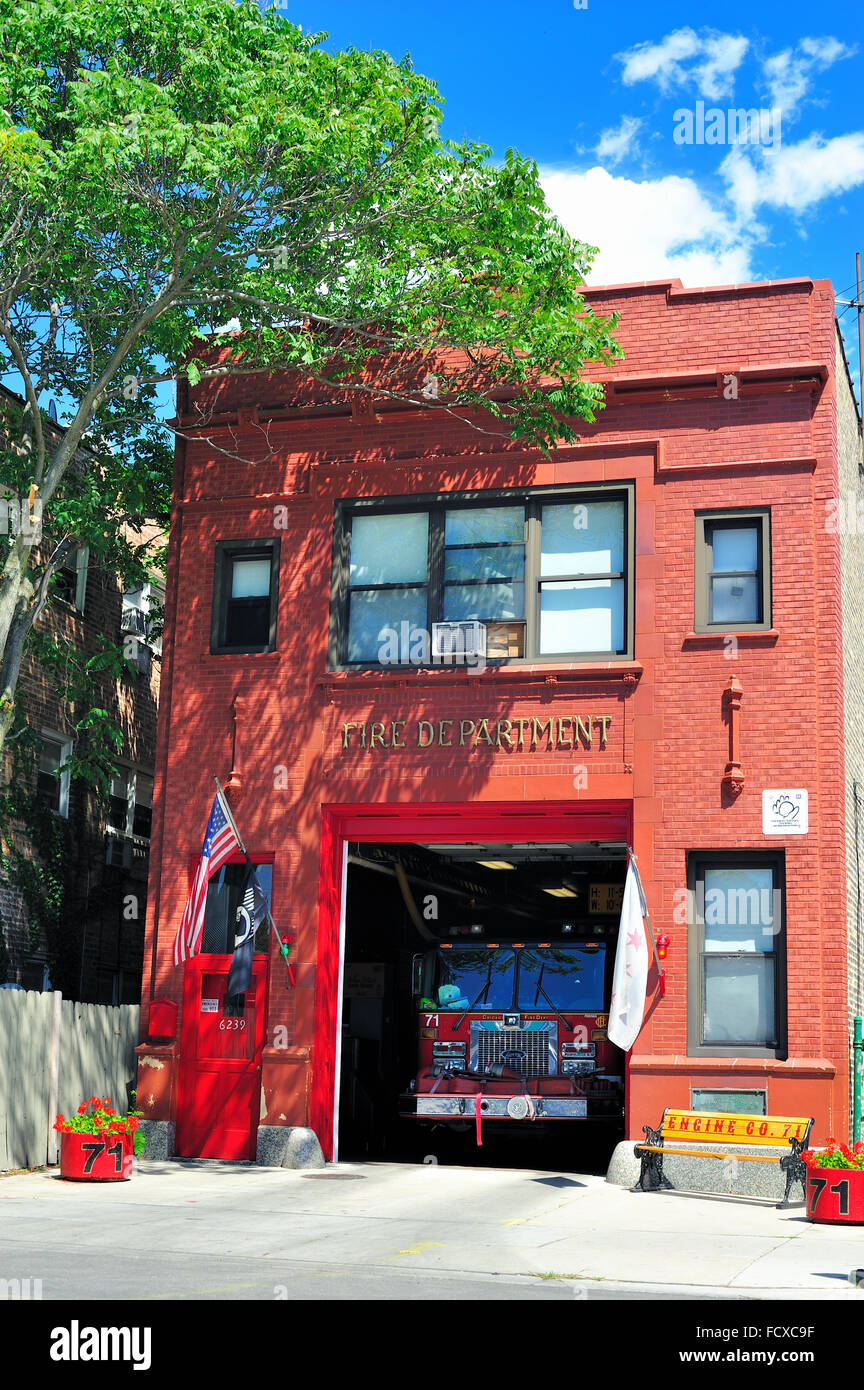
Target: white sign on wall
784, 811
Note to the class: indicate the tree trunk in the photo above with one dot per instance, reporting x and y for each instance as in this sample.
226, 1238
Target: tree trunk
10, 670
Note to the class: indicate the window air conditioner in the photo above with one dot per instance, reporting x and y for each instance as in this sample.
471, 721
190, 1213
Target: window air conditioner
133, 621
459, 643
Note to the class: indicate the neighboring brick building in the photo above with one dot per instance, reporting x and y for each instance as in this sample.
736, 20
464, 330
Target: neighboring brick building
676, 603
106, 860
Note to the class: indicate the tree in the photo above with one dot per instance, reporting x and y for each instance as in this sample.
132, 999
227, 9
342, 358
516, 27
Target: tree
172, 167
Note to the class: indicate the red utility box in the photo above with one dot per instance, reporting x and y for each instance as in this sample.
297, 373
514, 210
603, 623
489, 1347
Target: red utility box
163, 1019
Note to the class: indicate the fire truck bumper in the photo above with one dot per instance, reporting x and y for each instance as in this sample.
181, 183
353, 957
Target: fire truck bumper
445, 1107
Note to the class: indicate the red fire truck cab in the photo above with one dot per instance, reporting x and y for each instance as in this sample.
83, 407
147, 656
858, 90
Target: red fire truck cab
513, 1032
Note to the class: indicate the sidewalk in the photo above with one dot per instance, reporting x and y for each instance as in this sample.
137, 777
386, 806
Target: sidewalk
431, 1220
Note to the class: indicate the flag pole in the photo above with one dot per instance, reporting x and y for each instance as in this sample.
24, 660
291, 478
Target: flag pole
646, 914
223, 802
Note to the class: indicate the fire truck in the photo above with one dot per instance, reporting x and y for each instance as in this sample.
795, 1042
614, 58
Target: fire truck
513, 1032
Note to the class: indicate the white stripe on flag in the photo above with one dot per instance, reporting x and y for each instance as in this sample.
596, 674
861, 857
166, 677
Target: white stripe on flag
629, 982
187, 942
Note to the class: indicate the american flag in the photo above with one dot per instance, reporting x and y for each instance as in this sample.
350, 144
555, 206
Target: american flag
220, 842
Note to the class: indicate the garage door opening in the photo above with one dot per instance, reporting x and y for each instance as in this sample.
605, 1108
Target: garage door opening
476, 987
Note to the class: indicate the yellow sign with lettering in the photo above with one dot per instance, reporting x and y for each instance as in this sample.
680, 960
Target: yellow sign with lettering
605, 897
737, 1129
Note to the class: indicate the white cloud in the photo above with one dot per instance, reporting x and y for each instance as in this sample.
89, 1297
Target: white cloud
652, 229
789, 74
618, 141
669, 62
795, 177
660, 62
724, 54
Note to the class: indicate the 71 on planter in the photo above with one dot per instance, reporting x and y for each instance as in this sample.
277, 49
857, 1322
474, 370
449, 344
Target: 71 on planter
96, 1149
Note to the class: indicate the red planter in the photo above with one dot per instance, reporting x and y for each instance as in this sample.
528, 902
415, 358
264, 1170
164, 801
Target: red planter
96, 1157
835, 1195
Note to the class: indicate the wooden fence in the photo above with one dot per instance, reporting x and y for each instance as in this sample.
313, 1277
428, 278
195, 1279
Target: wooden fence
54, 1053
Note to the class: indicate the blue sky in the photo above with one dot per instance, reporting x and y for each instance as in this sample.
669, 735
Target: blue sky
591, 93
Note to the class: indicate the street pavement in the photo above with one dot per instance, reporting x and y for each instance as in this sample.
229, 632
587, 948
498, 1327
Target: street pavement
199, 1229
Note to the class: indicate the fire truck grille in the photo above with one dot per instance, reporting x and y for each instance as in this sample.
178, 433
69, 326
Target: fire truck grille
528, 1052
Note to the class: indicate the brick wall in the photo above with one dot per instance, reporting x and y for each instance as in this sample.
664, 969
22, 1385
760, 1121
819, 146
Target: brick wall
684, 447
108, 904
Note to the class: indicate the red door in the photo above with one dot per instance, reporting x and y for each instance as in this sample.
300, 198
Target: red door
218, 1106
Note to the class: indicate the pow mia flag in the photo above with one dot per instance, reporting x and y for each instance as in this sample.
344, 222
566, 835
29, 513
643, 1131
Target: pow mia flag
251, 912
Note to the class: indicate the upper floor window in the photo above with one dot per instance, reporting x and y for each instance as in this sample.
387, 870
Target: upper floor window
140, 634
130, 813
245, 592
70, 579
546, 574
52, 784
733, 572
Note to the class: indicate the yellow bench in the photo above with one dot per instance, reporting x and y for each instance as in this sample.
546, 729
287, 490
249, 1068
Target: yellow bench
721, 1131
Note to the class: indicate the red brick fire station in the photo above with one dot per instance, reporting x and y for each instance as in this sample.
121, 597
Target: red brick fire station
448, 682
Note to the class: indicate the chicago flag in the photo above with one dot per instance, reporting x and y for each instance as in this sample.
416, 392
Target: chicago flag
627, 1004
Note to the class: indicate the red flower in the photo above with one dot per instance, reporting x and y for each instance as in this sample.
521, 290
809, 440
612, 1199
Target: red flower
83, 1106
806, 1155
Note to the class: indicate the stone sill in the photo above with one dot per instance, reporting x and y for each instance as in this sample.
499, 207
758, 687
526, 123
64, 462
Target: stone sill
740, 1066
214, 658
563, 673
768, 634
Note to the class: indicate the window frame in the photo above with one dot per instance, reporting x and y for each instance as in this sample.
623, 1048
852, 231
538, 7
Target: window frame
226, 552
697, 862
258, 859
131, 775
121, 845
533, 499
728, 518
82, 570
63, 778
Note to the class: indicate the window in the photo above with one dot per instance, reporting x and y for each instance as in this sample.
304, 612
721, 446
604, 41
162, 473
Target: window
70, 579
140, 632
52, 785
130, 812
736, 954
223, 899
35, 974
548, 574
732, 571
245, 592
725, 1100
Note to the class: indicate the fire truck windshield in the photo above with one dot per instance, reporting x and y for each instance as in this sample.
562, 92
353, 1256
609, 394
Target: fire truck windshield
479, 974
549, 977
561, 977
